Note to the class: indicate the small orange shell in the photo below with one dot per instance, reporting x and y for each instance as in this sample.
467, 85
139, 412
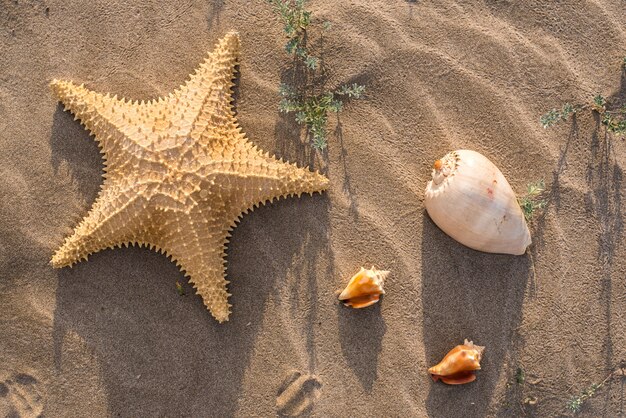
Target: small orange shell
364, 288
458, 366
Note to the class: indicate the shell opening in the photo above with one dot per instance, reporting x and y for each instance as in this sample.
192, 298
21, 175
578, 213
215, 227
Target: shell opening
444, 167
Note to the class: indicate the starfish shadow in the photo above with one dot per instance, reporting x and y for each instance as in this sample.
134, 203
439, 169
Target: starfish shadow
73, 147
161, 354
290, 238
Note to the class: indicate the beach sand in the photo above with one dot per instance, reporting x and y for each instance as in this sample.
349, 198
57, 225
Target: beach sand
111, 336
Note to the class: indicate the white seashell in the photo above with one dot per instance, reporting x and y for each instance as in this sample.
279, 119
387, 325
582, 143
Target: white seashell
364, 288
470, 200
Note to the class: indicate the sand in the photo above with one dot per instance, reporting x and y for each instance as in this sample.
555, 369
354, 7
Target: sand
111, 336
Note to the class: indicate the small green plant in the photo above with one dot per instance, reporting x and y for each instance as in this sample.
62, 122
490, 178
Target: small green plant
615, 121
575, 403
180, 289
296, 19
312, 111
613, 118
520, 376
533, 200
310, 105
556, 115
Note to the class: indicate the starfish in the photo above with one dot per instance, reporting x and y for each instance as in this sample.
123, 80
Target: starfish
179, 174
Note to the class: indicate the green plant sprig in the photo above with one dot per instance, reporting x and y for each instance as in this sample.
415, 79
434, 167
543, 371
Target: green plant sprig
311, 108
557, 115
533, 200
313, 111
614, 120
296, 20
179, 289
575, 403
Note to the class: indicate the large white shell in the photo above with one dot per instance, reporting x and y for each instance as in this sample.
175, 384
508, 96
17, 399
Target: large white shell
470, 200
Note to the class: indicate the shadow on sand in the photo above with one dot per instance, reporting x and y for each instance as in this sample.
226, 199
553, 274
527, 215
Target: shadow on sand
361, 332
604, 201
161, 354
473, 295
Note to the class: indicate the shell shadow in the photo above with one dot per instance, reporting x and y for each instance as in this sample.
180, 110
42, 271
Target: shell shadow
360, 333
473, 295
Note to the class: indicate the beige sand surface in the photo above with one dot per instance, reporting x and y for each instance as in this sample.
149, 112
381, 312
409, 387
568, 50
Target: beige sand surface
111, 337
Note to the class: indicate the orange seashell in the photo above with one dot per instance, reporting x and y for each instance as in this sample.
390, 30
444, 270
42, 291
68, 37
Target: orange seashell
364, 288
458, 366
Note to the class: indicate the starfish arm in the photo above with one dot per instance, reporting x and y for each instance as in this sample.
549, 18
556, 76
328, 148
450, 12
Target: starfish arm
114, 220
259, 178
122, 128
197, 243
208, 94
198, 240
279, 179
